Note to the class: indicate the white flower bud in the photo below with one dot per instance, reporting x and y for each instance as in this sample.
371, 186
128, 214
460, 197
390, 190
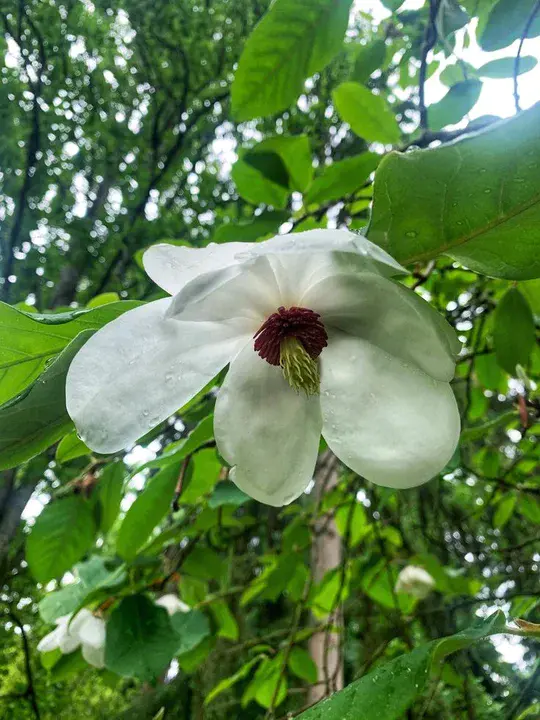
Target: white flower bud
414, 581
172, 604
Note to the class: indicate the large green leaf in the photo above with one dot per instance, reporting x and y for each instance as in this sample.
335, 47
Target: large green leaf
37, 418
369, 115
513, 331
295, 39
477, 200
390, 690
342, 178
386, 693
506, 24
458, 101
28, 341
147, 511
71, 447
61, 535
140, 639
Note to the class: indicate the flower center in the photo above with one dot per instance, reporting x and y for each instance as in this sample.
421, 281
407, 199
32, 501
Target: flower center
294, 338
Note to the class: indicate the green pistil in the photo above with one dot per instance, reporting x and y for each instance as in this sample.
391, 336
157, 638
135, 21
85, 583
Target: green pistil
299, 369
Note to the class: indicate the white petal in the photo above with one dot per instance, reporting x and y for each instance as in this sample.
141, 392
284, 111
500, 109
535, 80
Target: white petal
94, 655
69, 642
266, 430
51, 641
247, 291
138, 370
387, 421
362, 254
172, 266
390, 316
172, 604
92, 632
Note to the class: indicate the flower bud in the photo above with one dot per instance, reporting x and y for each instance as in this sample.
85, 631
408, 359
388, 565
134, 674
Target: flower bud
414, 581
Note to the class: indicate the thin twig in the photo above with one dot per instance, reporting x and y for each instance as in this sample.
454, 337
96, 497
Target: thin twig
517, 60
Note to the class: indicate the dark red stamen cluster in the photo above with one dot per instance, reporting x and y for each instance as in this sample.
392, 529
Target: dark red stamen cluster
301, 323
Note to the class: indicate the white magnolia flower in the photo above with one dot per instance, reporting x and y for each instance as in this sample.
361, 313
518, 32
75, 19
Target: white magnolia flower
172, 604
318, 340
415, 581
83, 630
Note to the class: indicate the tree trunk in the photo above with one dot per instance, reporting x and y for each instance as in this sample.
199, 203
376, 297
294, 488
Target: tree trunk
326, 554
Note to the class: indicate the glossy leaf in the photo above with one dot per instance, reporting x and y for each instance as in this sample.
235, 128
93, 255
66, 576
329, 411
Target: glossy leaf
419, 201
37, 418
295, 39
368, 114
70, 448
28, 341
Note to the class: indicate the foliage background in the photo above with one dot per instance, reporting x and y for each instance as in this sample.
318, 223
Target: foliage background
118, 132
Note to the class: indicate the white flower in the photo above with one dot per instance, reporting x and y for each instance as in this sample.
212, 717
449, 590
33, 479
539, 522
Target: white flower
373, 358
415, 581
172, 604
83, 630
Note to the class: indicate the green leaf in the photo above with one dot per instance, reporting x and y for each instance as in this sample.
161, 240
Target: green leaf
458, 101
481, 629
225, 620
506, 24
62, 534
302, 665
206, 469
233, 679
109, 490
385, 693
369, 58
295, 39
147, 511
470, 199
268, 685
177, 451
369, 115
191, 628
141, 641
37, 418
392, 688
450, 17
342, 178
504, 511
65, 601
28, 341
70, 448
513, 332
261, 226
103, 299
204, 563
504, 67
226, 493
353, 519
272, 169
68, 666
